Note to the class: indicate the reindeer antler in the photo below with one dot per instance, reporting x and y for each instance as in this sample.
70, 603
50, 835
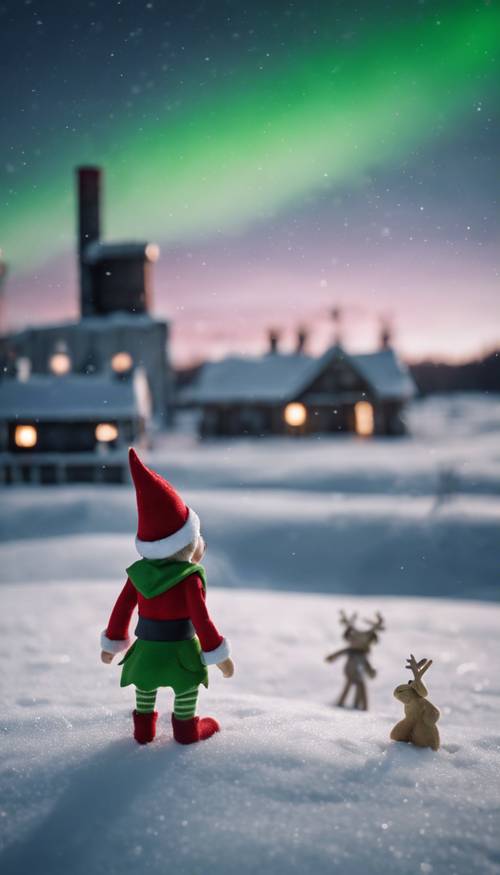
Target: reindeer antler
418, 668
377, 625
346, 621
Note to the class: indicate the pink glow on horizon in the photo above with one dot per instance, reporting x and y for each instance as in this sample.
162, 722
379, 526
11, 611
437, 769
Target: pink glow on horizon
222, 304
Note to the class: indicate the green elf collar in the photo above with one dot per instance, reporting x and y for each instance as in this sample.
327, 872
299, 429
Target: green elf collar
151, 577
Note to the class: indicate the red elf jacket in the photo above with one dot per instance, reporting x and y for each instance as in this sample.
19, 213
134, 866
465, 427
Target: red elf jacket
184, 600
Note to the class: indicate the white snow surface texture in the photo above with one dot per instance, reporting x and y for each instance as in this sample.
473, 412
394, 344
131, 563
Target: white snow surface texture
291, 784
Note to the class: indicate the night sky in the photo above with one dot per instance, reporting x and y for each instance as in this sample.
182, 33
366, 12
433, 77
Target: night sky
289, 158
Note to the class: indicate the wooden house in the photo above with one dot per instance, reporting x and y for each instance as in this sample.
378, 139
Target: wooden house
70, 428
298, 394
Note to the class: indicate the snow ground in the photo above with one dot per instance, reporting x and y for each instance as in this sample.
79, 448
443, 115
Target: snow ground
278, 539
417, 516
291, 785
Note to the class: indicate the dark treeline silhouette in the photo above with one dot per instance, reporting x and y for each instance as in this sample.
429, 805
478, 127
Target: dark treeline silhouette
481, 375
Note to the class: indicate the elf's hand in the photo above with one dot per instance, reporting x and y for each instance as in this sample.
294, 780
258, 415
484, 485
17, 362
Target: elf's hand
106, 657
226, 667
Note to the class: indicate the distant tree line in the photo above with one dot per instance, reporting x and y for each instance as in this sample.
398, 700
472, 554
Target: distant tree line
481, 375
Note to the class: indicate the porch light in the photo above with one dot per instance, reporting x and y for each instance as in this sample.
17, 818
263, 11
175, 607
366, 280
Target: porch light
106, 432
363, 418
25, 436
295, 414
122, 362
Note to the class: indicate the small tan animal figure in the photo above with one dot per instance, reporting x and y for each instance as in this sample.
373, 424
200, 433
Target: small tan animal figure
419, 724
357, 665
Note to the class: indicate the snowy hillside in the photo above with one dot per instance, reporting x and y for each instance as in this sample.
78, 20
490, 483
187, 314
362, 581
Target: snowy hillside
290, 785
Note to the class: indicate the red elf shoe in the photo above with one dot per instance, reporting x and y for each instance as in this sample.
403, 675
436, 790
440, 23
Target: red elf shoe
144, 726
194, 729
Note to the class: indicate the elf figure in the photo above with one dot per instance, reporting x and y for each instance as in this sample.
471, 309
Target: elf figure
176, 639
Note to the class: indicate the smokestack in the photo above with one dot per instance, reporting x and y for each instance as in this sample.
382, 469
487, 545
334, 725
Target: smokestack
89, 192
3, 275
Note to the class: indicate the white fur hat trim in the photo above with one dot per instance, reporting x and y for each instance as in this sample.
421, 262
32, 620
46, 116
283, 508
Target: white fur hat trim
166, 547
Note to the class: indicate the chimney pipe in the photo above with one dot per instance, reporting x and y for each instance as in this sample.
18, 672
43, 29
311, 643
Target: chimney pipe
337, 321
274, 337
385, 334
89, 192
301, 340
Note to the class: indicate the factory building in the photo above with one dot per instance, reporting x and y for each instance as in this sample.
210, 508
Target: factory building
73, 395
116, 333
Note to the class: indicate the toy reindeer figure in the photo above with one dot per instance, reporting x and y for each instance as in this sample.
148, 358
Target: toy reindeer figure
419, 724
357, 665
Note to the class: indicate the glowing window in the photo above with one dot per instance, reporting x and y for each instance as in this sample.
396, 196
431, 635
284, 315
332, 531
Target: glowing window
295, 414
106, 432
122, 362
25, 436
363, 418
60, 363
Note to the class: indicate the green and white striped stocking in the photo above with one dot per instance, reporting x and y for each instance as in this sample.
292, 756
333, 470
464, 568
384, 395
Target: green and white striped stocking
185, 704
145, 700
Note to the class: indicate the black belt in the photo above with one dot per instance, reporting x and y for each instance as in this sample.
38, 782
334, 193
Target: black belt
164, 630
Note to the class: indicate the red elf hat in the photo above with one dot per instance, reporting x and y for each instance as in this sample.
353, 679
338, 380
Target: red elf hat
165, 524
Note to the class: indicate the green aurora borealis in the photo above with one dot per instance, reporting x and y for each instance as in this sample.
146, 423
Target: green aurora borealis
251, 150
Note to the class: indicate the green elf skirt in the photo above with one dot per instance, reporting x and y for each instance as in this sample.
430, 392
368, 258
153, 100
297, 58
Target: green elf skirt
152, 664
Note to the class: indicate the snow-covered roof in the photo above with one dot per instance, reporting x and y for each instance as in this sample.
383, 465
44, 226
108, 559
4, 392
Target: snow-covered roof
385, 373
267, 378
281, 377
119, 319
73, 397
